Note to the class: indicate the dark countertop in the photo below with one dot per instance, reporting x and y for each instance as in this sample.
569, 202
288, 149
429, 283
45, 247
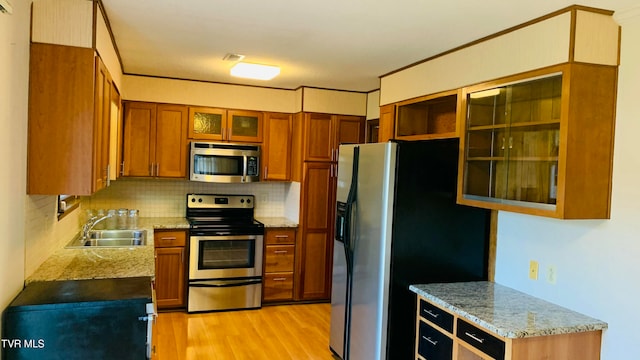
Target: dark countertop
77, 293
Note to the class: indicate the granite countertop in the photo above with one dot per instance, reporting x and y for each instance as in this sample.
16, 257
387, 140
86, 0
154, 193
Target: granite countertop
106, 263
277, 222
505, 311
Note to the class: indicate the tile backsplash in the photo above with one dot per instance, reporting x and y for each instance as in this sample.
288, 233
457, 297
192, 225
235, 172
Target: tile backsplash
167, 198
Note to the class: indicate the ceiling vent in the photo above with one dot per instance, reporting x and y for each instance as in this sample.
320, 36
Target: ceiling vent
233, 57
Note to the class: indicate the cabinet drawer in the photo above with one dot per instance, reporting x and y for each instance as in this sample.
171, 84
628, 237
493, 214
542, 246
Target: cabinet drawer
278, 286
279, 258
432, 344
481, 340
280, 236
436, 315
169, 238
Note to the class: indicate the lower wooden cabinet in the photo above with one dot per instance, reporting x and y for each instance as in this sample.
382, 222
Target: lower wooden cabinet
279, 259
443, 335
171, 266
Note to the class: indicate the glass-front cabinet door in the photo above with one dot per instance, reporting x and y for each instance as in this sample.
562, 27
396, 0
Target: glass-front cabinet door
512, 140
245, 126
207, 123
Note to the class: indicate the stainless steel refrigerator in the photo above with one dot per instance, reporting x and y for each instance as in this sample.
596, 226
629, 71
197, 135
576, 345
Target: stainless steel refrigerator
397, 224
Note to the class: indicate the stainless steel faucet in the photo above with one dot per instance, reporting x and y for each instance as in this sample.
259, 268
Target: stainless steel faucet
90, 224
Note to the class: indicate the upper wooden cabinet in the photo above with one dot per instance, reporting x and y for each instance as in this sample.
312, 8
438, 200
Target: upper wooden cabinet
349, 130
155, 140
69, 112
428, 117
387, 123
276, 148
541, 143
321, 134
207, 123
225, 125
102, 139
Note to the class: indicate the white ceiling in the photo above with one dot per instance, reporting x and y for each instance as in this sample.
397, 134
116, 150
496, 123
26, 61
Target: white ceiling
336, 44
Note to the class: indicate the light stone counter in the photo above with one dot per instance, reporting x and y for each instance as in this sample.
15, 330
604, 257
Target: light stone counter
106, 263
505, 311
277, 222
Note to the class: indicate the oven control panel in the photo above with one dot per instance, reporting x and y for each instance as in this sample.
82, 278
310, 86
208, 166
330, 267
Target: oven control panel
220, 201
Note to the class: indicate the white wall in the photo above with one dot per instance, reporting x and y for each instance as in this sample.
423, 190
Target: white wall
14, 75
597, 261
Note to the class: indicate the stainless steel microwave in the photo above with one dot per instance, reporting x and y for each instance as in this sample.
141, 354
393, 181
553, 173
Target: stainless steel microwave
224, 163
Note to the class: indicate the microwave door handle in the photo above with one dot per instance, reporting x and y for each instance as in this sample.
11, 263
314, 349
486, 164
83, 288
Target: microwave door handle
244, 168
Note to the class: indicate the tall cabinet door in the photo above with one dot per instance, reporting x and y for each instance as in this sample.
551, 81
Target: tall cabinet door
139, 138
319, 135
276, 149
102, 100
316, 246
171, 141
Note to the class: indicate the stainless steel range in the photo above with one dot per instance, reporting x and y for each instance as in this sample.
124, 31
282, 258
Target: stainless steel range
225, 266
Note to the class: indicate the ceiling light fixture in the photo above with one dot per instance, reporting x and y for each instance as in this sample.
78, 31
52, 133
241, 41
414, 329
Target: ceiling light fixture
255, 71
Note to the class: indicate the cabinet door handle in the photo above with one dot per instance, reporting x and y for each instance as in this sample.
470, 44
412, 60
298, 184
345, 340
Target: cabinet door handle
502, 148
157, 169
122, 169
265, 173
431, 313
434, 343
474, 337
510, 142
151, 169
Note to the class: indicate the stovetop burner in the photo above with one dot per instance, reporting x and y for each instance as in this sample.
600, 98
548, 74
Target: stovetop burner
210, 214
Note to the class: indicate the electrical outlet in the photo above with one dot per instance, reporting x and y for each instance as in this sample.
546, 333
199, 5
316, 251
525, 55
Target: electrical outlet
552, 274
533, 270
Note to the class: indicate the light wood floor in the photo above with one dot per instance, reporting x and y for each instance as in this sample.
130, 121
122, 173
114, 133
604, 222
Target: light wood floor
296, 332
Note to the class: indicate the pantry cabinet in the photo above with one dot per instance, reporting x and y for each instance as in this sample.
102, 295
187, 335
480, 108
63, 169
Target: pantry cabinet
69, 115
541, 143
171, 267
316, 246
316, 139
276, 148
155, 140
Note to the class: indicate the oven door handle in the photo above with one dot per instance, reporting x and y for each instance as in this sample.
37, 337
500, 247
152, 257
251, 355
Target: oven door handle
227, 284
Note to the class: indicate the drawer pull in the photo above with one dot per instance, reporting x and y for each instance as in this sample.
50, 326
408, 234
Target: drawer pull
280, 251
474, 337
282, 236
431, 313
168, 238
434, 343
279, 279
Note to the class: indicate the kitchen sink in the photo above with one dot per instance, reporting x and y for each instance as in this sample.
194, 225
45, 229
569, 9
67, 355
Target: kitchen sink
110, 238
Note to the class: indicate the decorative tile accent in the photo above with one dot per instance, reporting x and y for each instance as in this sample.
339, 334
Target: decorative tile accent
167, 198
